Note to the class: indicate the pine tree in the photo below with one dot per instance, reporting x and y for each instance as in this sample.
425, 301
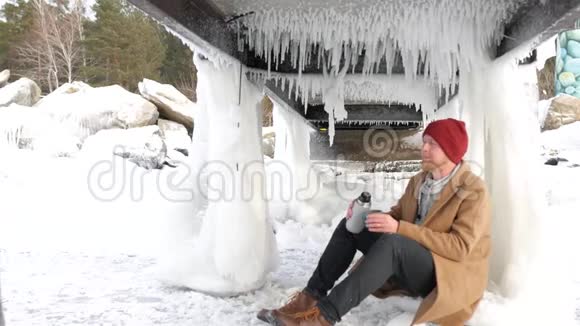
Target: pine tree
123, 45
16, 20
178, 68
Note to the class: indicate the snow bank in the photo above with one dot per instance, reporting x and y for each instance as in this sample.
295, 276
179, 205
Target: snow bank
565, 138
143, 146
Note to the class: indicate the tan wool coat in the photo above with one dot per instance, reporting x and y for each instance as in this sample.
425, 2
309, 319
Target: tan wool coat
457, 232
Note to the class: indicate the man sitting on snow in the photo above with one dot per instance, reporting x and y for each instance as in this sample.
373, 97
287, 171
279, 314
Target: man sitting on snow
434, 243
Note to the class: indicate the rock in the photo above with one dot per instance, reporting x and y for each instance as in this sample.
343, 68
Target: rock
566, 79
546, 80
559, 65
573, 35
558, 86
552, 161
564, 109
574, 165
23, 92
94, 109
268, 141
175, 136
573, 66
563, 40
570, 90
174, 158
573, 49
563, 53
4, 76
68, 88
172, 104
561, 159
142, 146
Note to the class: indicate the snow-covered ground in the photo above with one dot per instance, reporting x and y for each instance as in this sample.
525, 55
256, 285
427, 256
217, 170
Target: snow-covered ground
70, 258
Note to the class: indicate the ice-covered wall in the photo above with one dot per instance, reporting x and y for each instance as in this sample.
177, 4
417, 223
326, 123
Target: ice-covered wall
568, 63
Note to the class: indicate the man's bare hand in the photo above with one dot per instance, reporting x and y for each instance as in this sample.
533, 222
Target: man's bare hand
382, 222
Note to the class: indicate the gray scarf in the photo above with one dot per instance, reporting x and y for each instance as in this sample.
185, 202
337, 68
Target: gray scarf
429, 193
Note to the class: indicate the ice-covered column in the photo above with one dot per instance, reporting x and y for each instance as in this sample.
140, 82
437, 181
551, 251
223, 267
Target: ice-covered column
235, 247
525, 267
291, 166
471, 87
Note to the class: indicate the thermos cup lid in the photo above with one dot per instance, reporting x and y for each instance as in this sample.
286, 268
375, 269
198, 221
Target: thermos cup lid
365, 197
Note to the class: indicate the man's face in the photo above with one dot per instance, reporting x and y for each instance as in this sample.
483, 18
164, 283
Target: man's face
432, 154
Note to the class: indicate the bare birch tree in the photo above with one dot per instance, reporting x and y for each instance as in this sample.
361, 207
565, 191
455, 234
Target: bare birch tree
53, 50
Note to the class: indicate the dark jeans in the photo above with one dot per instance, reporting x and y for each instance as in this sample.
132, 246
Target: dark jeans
387, 257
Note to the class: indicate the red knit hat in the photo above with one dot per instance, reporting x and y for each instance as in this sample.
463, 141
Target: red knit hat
451, 135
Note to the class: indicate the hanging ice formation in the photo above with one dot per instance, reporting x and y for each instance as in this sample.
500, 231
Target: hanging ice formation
442, 35
235, 247
291, 165
356, 88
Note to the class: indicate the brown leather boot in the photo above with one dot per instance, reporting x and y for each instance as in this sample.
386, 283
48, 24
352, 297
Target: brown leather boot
310, 317
298, 302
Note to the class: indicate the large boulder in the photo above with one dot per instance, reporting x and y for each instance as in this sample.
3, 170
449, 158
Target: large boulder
172, 104
4, 76
546, 79
564, 109
175, 136
23, 92
143, 146
68, 88
95, 109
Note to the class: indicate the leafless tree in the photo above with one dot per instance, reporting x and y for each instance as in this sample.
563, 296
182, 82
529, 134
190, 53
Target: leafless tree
52, 51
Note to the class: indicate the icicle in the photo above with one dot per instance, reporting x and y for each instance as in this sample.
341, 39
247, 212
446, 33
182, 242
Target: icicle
361, 88
439, 27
